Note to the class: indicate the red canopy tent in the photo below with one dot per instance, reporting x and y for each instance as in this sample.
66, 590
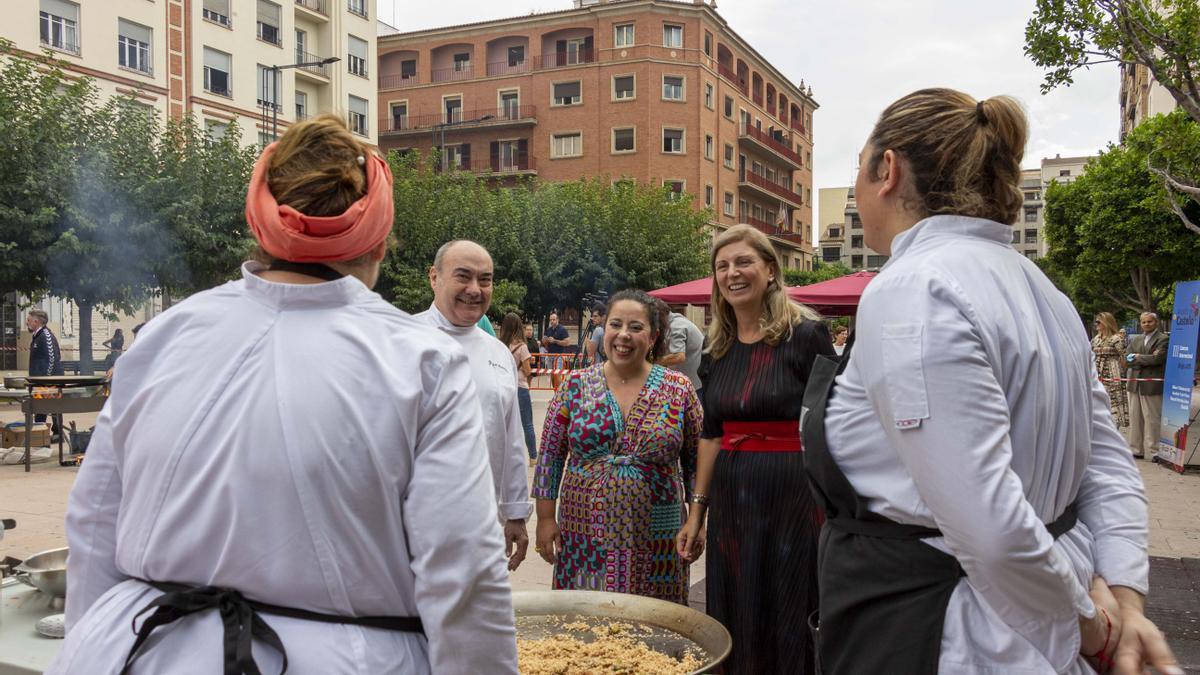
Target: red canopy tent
836, 297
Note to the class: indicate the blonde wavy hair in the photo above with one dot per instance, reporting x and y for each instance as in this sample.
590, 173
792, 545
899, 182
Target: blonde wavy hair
1108, 324
779, 312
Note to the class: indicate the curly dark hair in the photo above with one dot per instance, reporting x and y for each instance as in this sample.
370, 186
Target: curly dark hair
656, 313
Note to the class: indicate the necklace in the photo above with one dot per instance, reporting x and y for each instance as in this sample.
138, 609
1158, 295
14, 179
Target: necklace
624, 380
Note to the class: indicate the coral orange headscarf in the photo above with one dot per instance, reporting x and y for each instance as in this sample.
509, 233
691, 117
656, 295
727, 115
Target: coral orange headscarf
287, 234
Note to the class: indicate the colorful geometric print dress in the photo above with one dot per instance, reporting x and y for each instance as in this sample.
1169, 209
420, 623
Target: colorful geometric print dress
621, 482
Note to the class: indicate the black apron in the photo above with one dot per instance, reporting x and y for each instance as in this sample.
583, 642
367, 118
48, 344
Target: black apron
883, 592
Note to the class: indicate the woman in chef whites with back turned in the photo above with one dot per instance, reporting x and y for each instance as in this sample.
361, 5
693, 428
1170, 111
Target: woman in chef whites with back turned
287, 474
983, 515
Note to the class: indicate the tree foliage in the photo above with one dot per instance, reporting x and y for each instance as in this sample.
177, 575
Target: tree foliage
1065, 36
1114, 243
821, 271
551, 242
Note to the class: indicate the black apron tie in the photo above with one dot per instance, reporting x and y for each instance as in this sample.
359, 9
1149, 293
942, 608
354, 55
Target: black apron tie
316, 270
242, 622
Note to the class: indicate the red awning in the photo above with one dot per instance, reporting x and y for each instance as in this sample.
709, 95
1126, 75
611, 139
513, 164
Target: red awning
836, 297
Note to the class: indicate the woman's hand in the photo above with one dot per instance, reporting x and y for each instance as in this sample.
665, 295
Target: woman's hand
549, 540
689, 543
1101, 633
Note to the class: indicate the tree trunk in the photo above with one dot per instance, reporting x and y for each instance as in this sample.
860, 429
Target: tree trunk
85, 337
166, 298
1143, 287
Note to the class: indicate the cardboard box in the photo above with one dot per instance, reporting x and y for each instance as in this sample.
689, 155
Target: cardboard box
14, 436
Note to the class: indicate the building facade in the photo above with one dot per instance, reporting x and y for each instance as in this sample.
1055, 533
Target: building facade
215, 59
1141, 97
843, 241
658, 91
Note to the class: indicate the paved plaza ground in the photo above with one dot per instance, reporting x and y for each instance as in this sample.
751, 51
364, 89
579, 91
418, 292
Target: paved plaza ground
37, 501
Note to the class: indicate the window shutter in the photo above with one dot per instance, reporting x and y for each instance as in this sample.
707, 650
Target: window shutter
523, 153
560, 51
465, 150
494, 150
587, 49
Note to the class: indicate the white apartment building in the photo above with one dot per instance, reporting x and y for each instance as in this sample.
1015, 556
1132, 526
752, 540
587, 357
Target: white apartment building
219, 60
1141, 97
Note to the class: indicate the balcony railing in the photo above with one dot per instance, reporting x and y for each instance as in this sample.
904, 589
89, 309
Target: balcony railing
317, 6
216, 17
562, 59
305, 57
798, 126
758, 99
398, 80
506, 68
496, 117
773, 230
731, 75
455, 74
522, 164
774, 145
773, 188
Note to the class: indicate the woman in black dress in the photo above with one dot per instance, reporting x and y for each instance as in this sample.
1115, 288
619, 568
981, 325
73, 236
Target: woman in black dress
761, 577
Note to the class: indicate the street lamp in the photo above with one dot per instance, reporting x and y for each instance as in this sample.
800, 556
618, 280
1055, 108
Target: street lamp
441, 127
274, 84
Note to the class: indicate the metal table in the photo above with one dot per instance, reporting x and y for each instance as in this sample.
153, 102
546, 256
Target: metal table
59, 405
22, 650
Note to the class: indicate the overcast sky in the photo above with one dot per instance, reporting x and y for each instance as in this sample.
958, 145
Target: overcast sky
860, 55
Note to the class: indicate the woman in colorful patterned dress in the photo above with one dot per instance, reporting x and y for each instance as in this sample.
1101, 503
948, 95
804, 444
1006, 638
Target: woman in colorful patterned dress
619, 451
1109, 347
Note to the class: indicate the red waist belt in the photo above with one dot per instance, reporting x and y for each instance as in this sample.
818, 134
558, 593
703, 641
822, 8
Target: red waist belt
771, 436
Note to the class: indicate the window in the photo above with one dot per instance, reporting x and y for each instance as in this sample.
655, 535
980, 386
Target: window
566, 145
1031, 254
623, 140
708, 95
265, 139
856, 261
216, 130
835, 232
268, 87
623, 87
856, 241
358, 7
1031, 236
729, 203
675, 188
808, 159
302, 47
708, 146
855, 222
1031, 214
1016, 237
574, 51
457, 156
452, 110
268, 22
133, 46
807, 195
356, 49
708, 43
708, 195
516, 56
673, 141
729, 107
58, 24
217, 11
672, 36
672, 88
408, 69
757, 212
358, 115
462, 62
875, 261
567, 93
216, 72
510, 105
1064, 172
831, 254
399, 116
728, 156
623, 35
509, 156
743, 208
301, 106
1032, 196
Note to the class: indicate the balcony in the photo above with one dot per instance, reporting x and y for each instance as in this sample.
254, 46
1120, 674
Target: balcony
319, 8
772, 230
521, 166
564, 59
318, 72
510, 116
798, 125
398, 81
753, 181
502, 68
755, 137
454, 74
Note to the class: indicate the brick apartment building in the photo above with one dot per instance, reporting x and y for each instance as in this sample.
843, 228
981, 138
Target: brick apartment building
660, 91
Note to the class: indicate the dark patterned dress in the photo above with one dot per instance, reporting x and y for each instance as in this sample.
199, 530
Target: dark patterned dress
763, 523
620, 482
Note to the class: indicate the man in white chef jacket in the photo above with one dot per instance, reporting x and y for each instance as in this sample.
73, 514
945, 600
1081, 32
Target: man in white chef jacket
461, 277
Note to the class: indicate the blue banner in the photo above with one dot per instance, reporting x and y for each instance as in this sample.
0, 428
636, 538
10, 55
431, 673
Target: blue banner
1180, 375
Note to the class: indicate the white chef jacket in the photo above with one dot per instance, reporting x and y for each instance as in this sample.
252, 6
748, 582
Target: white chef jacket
495, 375
971, 404
310, 446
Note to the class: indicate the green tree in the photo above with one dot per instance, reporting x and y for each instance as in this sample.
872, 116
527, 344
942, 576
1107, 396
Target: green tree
42, 113
1114, 243
1065, 36
821, 271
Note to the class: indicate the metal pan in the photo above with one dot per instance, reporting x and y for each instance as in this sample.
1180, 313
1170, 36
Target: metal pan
46, 571
707, 633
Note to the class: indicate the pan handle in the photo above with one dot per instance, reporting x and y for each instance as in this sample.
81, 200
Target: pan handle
8, 524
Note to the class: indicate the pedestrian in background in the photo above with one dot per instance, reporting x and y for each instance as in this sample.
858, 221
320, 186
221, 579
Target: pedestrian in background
595, 341
840, 334
1144, 366
1109, 348
685, 344
983, 514
619, 453
115, 345
556, 340
512, 335
45, 357
761, 578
